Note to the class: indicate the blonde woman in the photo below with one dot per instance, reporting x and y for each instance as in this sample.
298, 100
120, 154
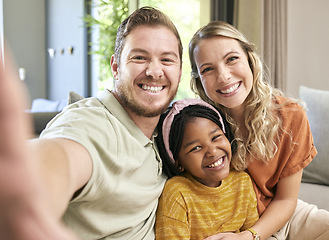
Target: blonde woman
272, 132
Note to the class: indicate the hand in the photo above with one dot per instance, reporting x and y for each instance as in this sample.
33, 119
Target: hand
245, 235
23, 211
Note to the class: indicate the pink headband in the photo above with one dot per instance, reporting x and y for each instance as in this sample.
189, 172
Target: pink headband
176, 108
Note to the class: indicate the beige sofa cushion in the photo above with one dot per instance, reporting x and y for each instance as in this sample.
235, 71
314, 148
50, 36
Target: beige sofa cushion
317, 103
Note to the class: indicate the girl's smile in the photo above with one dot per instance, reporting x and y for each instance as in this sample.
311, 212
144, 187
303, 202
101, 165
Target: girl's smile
205, 151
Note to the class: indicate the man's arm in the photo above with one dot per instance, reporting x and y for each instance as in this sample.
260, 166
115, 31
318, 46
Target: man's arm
64, 166
33, 192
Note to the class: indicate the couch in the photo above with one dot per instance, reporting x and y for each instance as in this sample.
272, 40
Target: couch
43, 110
315, 181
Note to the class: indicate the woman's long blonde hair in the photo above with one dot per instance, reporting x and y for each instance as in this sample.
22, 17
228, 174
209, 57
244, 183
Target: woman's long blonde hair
261, 113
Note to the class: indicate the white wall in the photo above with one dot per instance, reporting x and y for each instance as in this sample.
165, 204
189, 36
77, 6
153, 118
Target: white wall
24, 30
308, 45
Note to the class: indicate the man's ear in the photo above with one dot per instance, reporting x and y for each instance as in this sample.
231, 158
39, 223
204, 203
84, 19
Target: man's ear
114, 67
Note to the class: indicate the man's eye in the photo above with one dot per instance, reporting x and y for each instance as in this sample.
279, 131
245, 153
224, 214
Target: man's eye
138, 58
167, 60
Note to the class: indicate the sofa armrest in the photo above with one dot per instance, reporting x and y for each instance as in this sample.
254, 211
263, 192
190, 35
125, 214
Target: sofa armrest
40, 120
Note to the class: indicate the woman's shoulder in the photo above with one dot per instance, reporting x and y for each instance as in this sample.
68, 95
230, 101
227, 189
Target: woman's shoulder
288, 106
293, 115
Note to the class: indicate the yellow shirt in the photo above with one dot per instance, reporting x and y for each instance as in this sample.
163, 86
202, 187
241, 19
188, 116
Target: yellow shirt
190, 210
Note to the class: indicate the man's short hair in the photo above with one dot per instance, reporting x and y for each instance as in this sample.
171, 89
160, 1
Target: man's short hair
144, 16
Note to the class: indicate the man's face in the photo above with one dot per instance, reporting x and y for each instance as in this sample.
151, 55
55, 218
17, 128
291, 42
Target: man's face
149, 72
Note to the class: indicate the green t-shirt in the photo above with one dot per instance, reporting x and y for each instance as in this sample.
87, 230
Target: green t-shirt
120, 199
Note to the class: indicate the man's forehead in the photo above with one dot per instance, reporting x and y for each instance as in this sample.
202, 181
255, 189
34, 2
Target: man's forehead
145, 38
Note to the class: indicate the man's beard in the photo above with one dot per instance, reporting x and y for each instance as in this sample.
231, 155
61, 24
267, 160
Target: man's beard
139, 110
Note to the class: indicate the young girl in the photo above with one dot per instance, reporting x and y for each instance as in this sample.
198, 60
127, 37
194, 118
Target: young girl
205, 197
275, 140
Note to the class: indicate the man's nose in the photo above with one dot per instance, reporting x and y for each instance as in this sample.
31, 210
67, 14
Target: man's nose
154, 69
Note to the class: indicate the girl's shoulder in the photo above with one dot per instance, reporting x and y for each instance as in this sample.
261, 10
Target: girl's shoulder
239, 177
176, 183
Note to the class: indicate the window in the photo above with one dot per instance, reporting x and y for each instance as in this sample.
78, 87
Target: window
188, 16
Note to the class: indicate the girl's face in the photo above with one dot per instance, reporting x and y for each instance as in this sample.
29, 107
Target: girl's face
205, 152
224, 71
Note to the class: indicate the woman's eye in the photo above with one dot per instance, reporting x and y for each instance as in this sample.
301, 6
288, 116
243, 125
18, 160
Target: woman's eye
231, 59
206, 70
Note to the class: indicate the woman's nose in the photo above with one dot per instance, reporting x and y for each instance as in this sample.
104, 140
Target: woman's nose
154, 69
224, 74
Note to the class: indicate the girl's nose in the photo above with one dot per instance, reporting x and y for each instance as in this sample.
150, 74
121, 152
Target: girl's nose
211, 151
154, 70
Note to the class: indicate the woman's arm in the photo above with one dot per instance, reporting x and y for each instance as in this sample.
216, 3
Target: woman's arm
282, 206
277, 213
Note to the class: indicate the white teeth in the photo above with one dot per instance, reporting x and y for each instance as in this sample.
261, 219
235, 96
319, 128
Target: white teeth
152, 88
216, 164
231, 89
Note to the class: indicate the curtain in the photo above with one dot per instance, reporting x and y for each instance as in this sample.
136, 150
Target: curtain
265, 24
222, 10
275, 41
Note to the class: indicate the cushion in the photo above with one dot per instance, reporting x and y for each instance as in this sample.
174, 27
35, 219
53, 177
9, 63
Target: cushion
74, 97
315, 194
317, 104
45, 105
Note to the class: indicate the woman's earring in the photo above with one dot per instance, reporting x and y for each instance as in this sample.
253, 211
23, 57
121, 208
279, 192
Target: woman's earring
180, 169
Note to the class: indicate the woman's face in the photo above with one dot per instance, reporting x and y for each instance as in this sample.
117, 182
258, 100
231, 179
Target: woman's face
224, 71
205, 152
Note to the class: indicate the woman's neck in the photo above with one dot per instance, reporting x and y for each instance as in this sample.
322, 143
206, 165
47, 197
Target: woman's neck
239, 118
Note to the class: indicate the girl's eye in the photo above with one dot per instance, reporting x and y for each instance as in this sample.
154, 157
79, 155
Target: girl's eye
194, 149
216, 137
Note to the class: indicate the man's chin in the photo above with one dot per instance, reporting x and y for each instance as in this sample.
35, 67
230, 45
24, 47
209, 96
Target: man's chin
149, 112
144, 108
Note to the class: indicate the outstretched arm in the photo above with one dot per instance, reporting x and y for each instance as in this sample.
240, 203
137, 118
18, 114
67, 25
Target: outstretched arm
29, 185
